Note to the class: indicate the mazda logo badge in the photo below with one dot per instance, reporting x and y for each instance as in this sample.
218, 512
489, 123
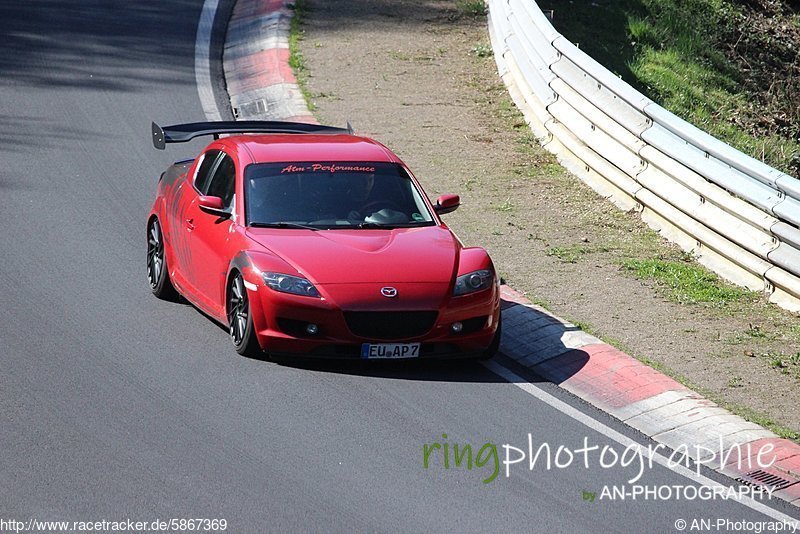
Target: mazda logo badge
388, 292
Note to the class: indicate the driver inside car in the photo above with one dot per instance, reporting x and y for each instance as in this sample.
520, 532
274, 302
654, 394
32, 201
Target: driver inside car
368, 204
358, 189
349, 198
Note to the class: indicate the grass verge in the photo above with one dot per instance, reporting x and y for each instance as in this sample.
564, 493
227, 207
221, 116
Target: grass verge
296, 59
704, 61
472, 8
687, 283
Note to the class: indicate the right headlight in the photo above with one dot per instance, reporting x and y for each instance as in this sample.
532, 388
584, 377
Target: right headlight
286, 283
472, 282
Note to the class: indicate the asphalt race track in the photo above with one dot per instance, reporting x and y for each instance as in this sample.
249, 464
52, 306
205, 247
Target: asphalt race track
116, 405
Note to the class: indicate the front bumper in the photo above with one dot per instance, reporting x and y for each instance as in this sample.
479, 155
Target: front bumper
280, 320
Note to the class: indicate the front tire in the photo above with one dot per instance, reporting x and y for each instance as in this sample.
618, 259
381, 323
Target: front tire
240, 320
157, 271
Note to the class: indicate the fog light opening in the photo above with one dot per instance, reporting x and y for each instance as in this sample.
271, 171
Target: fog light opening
312, 329
456, 327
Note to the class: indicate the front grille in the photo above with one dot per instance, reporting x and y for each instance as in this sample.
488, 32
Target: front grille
390, 325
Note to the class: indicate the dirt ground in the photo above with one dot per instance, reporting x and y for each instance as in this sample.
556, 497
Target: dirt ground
419, 77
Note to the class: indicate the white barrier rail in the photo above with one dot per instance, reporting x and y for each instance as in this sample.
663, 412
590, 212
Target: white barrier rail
739, 216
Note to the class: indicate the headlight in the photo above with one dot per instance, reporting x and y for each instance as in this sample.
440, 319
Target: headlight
472, 282
286, 283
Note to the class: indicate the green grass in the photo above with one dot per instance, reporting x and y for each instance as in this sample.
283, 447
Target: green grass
686, 283
735, 382
709, 99
776, 360
671, 50
756, 331
572, 253
482, 50
506, 206
541, 302
786, 364
568, 254
472, 8
296, 59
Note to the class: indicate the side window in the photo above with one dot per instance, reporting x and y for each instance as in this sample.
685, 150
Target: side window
203, 176
223, 181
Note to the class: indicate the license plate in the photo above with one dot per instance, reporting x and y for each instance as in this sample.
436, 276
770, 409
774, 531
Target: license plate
385, 351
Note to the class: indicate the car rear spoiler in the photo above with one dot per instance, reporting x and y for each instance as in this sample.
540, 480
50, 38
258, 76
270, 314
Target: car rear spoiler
181, 133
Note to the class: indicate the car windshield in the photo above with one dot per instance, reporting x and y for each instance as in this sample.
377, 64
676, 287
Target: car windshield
326, 195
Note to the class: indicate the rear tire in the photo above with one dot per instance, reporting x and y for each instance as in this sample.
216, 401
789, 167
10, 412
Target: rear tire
240, 320
494, 346
157, 271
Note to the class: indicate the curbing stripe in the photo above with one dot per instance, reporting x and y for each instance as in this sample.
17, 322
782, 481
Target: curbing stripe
276, 102
648, 404
250, 8
791, 494
255, 59
202, 61
261, 69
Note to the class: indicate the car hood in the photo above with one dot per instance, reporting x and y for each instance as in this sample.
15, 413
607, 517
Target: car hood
426, 254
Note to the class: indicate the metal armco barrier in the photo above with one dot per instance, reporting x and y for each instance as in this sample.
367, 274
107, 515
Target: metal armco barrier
739, 216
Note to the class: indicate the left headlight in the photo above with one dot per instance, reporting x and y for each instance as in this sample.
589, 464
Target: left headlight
472, 282
286, 283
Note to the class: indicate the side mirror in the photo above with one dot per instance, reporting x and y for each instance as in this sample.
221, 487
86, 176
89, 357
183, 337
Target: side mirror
447, 204
213, 206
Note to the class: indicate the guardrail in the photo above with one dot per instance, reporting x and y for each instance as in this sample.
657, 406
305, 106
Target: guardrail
739, 216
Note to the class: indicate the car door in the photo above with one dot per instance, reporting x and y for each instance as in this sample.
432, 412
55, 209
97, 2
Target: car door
181, 223
210, 234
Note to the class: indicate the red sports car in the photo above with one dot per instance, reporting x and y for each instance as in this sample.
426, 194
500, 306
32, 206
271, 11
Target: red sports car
308, 240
